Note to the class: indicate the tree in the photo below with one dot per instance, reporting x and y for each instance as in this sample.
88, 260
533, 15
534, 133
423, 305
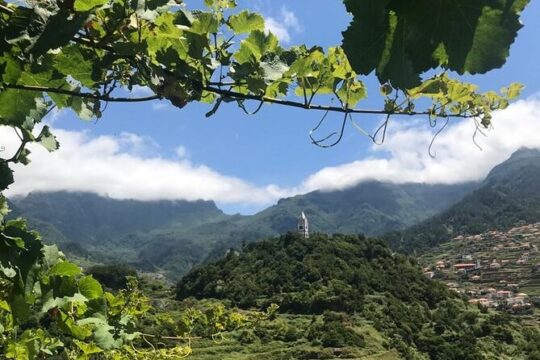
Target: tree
83, 54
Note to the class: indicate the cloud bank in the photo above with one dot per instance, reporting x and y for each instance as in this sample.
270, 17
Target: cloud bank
130, 166
284, 25
127, 167
404, 156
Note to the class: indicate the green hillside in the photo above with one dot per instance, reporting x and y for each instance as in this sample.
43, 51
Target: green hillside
92, 219
310, 275
506, 261
509, 195
172, 236
94, 229
340, 296
371, 208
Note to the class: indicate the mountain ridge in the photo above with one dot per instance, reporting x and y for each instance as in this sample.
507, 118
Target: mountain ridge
509, 195
171, 236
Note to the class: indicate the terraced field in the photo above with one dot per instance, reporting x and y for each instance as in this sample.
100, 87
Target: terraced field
499, 264
234, 349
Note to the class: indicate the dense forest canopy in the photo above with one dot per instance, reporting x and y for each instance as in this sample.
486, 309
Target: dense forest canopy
345, 274
83, 54
311, 275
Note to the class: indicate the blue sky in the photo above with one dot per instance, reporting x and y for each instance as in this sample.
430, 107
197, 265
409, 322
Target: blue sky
271, 151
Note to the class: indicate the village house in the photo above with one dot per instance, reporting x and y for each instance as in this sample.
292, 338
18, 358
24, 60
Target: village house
503, 294
464, 267
440, 264
513, 287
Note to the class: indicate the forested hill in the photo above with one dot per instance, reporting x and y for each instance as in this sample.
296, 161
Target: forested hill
510, 195
172, 236
357, 283
95, 229
89, 218
371, 208
311, 275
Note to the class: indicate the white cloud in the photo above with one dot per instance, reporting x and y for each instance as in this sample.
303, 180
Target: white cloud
161, 105
120, 167
141, 91
129, 166
404, 156
181, 152
284, 25
55, 115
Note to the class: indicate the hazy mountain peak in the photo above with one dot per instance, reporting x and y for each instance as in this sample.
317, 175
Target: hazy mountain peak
523, 160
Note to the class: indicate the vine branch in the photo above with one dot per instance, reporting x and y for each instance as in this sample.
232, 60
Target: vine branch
93, 96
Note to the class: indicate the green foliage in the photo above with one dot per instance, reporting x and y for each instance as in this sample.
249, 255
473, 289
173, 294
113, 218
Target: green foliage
400, 40
75, 54
112, 276
47, 303
310, 275
331, 290
334, 332
246, 22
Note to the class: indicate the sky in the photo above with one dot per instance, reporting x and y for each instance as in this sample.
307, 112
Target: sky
245, 163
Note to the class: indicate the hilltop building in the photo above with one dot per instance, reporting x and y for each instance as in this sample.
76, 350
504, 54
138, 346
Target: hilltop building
303, 226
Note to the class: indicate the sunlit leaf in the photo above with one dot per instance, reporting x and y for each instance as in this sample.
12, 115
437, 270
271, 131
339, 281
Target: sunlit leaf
245, 22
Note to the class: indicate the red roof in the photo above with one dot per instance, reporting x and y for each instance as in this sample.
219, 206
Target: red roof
462, 266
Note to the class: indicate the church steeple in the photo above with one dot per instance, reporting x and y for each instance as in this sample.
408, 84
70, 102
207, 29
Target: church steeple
303, 226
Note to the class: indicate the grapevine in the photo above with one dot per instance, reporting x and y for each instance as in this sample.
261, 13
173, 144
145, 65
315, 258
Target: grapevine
80, 55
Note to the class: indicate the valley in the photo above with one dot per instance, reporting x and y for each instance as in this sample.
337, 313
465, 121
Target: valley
269, 180
170, 237
497, 269
454, 273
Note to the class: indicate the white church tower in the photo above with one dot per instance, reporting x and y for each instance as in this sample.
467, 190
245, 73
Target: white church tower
303, 226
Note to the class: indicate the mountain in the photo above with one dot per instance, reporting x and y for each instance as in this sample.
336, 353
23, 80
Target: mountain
100, 229
370, 208
88, 218
172, 236
351, 297
509, 195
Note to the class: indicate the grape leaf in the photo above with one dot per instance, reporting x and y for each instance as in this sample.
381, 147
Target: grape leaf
4, 209
246, 22
204, 23
15, 106
6, 177
71, 62
87, 349
400, 38
90, 287
65, 268
10, 69
47, 139
256, 45
87, 5
20, 309
41, 28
